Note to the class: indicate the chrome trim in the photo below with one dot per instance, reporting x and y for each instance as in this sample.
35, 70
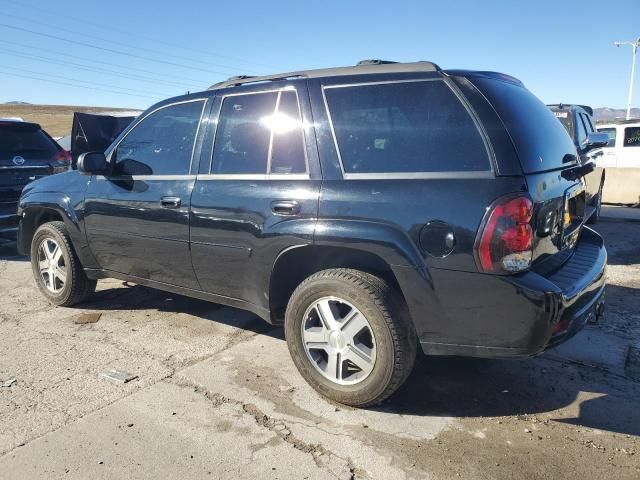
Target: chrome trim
251, 176
146, 177
142, 119
419, 175
410, 175
25, 167
287, 88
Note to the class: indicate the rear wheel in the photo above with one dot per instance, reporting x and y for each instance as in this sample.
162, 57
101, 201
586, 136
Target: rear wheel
56, 267
350, 336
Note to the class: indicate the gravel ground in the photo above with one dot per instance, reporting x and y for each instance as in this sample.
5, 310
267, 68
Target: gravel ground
216, 396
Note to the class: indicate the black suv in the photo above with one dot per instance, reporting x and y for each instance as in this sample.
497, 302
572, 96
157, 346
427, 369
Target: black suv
27, 153
578, 122
370, 209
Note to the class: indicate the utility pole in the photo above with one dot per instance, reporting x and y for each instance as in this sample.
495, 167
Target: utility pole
634, 46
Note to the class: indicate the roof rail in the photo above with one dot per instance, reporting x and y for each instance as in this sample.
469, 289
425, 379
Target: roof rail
374, 62
363, 67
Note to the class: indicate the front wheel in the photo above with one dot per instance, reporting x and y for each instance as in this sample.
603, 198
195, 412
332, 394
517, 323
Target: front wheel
350, 336
56, 267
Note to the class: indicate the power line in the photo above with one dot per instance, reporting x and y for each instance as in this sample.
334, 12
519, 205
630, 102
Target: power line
88, 82
89, 68
134, 35
58, 52
111, 50
115, 42
72, 85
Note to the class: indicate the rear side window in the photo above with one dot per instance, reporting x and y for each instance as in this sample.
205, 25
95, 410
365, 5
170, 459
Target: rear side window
404, 127
611, 132
162, 143
541, 141
632, 137
26, 140
258, 134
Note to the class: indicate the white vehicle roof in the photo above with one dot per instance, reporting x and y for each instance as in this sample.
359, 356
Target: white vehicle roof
622, 123
11, 119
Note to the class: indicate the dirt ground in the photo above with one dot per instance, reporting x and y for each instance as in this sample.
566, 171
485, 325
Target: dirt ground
55, 119
216, 396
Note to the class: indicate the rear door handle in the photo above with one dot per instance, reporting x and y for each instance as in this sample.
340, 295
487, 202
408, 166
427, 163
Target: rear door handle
170, 202
285, 207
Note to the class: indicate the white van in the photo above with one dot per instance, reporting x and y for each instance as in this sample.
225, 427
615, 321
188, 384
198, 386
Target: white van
623, 150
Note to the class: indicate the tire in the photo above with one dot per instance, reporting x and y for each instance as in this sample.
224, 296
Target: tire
388, 336
75, 287
595, 217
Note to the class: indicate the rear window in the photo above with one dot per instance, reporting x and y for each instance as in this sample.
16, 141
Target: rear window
566, 119
404, 127
611, 132
540, 140
25, 140
632, 137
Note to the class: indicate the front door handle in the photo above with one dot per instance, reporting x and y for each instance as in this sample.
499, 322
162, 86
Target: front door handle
285, 207
170, 202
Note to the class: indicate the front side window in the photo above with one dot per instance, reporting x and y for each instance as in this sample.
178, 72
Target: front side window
582, 130
404, 127
611, 133
258, 134
162, 143
632, 137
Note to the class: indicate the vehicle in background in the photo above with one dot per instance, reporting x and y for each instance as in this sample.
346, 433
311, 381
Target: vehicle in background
371, 210
27, 153
578, 122
623, 148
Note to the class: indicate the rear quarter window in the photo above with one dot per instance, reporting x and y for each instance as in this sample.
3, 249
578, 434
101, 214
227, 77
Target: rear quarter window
404, 127
540, 139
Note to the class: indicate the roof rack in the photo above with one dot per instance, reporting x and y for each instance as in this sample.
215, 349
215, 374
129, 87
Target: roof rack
363, 67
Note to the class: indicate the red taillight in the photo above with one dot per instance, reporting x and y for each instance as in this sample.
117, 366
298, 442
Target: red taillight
506, 236
63, 156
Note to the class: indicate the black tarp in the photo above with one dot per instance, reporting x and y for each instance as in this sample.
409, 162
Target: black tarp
94, 133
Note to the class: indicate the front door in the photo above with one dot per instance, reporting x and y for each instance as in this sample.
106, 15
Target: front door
137, 218
258, 193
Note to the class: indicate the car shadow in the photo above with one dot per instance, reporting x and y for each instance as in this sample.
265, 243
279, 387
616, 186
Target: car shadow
468, 387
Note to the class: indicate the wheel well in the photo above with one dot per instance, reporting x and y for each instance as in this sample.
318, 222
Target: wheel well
30, 223
296, 264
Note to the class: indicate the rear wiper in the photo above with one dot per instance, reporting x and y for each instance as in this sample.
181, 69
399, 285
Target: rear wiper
575, 173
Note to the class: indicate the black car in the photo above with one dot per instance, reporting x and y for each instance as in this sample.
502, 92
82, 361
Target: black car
370, 209
579, 124
27, 153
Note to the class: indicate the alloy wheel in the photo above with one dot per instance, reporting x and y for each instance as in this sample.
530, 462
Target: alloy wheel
339, 341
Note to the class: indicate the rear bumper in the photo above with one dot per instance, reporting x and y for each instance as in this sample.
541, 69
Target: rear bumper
521, 315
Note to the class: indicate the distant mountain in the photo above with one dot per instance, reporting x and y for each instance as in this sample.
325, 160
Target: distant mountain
16, 103
606, 114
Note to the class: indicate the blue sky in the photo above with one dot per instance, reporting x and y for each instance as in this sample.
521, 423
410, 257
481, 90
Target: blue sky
562, 50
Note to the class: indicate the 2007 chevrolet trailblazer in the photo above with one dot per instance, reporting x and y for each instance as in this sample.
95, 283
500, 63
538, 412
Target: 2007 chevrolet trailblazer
371, 209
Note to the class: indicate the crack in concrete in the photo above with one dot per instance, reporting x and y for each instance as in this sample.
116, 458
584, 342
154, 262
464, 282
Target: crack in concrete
336, 465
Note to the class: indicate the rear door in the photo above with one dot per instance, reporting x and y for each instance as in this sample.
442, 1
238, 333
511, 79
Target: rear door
137, 218
257, 191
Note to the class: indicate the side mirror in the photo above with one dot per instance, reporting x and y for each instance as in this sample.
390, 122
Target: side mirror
594, 140
92, 163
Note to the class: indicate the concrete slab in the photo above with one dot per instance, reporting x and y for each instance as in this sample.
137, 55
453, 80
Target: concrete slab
616, 212
165, 431
595, 348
